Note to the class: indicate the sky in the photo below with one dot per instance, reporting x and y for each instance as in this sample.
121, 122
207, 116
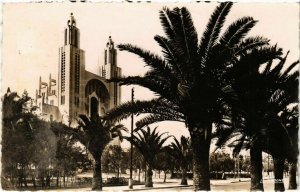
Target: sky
33, 33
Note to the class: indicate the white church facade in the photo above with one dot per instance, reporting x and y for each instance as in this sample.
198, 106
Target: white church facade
75, 90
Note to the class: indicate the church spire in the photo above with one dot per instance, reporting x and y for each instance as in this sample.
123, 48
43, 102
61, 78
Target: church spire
71, 21
72, 32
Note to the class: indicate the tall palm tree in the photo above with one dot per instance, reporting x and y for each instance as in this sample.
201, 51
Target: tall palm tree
181, 150
95, 133
149, 144
263, 89
290, 117
189, 79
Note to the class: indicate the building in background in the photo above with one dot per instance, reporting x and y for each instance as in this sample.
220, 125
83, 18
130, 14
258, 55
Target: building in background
77, 91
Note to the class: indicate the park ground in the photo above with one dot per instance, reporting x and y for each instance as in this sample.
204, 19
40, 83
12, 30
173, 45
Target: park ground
173, 185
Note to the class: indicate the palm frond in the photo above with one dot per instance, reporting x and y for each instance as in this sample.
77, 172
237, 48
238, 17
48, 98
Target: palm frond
250, 43
123, 111
236, 31
155, 118
158, 86
290, 68
164, 16
152, 60
213, 29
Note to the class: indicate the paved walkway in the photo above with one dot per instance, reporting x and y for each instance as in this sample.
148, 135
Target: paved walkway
173, 185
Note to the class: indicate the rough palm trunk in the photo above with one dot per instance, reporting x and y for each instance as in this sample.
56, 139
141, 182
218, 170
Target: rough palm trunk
293, 175
33, 182
57, 179
165, 176
201, 139
183, 178
256, 169
139, 178
149, 182
278, 173
97, 176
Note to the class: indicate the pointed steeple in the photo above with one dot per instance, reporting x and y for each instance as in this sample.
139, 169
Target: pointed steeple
71, 21
72, 32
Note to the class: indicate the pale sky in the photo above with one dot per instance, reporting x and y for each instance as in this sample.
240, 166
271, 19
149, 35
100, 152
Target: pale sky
33, 32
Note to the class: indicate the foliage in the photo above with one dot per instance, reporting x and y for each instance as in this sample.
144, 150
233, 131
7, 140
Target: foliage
221, 162
191, 79
149, 144
114, 159
33, 148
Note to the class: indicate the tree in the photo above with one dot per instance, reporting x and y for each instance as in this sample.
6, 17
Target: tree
263, 89
221, 162
95, 133
165, 162
149, 143
189, 80
114, 159
289, 118
29, 145
181, 150
69, 157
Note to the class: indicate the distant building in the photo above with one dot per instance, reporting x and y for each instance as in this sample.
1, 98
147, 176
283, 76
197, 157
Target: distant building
77, 91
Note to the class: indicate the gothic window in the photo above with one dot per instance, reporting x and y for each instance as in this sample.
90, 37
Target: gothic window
105, 57
77, 72
63, 100
66, 34
63, 71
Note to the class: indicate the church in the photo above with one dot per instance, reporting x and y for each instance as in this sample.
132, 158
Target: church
75, 90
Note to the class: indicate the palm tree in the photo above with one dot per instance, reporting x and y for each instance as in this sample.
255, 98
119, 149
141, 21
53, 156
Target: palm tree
189, 80
289, 119
95, 133
181, 150
263, 89
149, 144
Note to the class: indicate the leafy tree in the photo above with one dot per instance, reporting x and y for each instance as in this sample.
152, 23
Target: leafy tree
29, 145
165, 162
69, 157
149, 143
95, 133
221, 162
190, 80
138, 163
181, 150
114, 159
17, 137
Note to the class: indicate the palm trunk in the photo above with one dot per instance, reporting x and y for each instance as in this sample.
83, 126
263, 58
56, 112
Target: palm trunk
165, 177
201, 139
278, 173
292, 175
33, 182
184, 179
256, 169
139, 178
64, 179
149, 182
57, 179
97, 176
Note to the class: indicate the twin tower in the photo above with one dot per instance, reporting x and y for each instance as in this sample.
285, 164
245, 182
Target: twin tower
77, 91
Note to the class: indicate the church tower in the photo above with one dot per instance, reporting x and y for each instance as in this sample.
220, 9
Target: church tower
70, 70
110, 70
